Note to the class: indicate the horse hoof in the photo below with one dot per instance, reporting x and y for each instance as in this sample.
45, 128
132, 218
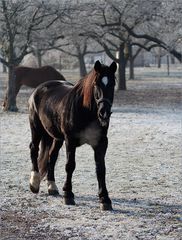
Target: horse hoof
53, 192
33, 189
69, 201
106, 207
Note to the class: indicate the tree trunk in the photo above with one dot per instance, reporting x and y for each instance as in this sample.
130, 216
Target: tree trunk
159, 58
122, 69
168, 65
10, 104
4, 69
131, 62
82, 66
39, 58
172, 59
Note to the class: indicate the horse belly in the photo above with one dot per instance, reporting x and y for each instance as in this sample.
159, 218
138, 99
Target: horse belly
90, 135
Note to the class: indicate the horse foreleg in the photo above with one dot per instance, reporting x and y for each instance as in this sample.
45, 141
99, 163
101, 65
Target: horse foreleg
99, 152
52, 188
70, 167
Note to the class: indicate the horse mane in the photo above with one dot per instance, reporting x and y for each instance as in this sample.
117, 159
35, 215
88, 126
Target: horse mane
85, 85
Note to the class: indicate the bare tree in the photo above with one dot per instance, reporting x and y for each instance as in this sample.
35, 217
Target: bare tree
74, 44
19, 20
70, 26
119, 25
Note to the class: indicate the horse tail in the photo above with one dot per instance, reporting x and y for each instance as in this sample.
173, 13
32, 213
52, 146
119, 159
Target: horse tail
45, 146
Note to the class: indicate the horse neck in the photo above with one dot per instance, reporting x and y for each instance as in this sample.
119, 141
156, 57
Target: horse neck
75, 100
87, 89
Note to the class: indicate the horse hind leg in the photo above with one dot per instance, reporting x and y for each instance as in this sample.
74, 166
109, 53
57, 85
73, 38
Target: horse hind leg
40, 166
54, 151
34, 181
35, 175
34, 151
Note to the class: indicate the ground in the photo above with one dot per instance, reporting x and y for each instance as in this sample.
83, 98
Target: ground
144, 170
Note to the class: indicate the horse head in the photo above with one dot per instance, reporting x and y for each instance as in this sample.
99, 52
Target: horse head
104, 90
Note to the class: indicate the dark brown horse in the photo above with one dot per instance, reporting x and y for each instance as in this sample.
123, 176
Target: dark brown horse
32, 77
58, 112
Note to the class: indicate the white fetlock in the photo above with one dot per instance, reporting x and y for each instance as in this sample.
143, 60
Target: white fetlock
35, 179
52, 188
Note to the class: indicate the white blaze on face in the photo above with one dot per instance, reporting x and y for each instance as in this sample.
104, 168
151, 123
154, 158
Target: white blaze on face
105, 81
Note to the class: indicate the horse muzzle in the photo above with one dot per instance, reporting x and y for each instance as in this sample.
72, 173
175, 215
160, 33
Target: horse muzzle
104, 117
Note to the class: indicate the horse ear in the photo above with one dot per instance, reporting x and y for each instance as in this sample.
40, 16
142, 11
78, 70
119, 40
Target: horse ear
97, 66
113, 67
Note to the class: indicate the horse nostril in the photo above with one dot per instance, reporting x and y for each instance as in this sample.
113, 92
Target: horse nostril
103, 115
100, 115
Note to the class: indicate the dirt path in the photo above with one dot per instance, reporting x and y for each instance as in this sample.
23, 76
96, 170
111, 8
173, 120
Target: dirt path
144, 171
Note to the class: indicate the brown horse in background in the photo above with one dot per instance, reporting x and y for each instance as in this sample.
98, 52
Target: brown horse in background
32, 77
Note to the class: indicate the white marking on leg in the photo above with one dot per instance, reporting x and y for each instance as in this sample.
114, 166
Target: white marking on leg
105, 81
35, 179
52, 186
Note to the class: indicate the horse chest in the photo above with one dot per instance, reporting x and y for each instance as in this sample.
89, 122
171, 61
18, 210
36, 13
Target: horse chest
90, 135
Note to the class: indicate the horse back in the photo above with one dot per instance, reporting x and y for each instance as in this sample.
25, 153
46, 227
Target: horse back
32, 77
49, 94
